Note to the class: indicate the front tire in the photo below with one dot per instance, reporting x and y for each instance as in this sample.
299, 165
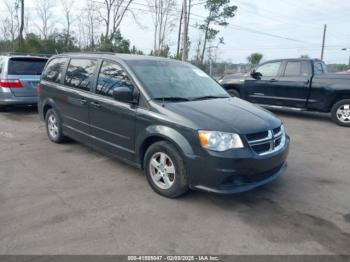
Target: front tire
165, 170
341, 112
233, 92
54, 127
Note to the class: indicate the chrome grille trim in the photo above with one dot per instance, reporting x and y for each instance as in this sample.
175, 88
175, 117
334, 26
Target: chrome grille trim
273, 141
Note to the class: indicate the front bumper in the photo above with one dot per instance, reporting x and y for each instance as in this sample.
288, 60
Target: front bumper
236, 171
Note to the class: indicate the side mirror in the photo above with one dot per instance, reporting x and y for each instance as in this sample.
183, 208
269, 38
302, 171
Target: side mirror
126, 95
255, 74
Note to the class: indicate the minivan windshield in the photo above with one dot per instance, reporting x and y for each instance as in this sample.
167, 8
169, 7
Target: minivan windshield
175, 81
26, 66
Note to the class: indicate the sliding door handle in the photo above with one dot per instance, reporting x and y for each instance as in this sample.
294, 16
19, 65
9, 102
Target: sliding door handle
82, 101
95, 104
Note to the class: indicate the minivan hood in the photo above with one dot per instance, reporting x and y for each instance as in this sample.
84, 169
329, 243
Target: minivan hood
225, 115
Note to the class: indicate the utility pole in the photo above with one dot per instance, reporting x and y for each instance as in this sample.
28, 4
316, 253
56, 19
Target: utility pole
179, 35
345, 49
185, 27
323, 40
21, 28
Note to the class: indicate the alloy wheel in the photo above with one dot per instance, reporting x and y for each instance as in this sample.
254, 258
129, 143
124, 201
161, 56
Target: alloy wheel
52, 126
162, 170
343, 113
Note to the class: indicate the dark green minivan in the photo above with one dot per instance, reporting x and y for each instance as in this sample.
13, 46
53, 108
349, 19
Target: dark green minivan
164, 116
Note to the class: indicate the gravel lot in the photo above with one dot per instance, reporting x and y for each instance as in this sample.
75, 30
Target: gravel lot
68, 199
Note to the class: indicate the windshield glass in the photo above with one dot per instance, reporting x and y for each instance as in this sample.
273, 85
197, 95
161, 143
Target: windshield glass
175, 81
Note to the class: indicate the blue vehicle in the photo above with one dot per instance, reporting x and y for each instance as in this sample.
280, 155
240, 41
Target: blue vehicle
19, 76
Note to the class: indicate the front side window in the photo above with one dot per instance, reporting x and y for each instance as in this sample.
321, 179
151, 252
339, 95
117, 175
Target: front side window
175, 80
111, 77
54, 70
269, 69
80, 73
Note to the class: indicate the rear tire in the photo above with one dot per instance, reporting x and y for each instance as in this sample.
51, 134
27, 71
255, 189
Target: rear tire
233, 93
165, 170
341, 112
2, 108
54, 127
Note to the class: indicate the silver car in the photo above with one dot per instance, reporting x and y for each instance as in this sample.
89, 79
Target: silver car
19, 76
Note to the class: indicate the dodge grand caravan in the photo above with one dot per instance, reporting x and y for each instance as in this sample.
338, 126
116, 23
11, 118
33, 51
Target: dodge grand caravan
164, 116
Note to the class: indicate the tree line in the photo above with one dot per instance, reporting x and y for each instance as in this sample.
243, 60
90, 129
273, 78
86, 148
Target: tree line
94, 25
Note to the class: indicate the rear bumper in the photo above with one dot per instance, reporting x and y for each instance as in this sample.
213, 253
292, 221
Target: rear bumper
236, 173
7, 98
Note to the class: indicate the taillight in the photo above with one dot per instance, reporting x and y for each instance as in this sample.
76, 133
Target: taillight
38, 89
10, 83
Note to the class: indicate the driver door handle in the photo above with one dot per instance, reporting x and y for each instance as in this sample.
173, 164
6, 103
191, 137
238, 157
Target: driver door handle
273, 80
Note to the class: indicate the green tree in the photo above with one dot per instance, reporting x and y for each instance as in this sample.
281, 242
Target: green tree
254, 59
114, 43
219, 12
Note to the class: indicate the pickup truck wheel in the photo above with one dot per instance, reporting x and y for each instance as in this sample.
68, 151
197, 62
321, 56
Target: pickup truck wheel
165, 170
341, 113
233, 93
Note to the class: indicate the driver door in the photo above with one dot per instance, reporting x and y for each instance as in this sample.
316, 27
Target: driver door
260, 89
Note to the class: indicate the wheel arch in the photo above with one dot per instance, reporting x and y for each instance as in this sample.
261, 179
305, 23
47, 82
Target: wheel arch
47, 105
158, 133
337, 98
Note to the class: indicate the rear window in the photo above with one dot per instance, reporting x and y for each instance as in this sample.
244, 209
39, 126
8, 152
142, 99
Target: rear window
26, 66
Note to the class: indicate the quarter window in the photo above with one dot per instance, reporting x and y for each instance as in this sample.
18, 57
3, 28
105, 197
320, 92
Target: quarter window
80, 73
111, 77
269, 69
54, 70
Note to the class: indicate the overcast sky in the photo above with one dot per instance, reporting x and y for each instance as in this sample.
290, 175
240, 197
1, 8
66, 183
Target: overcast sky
275, 28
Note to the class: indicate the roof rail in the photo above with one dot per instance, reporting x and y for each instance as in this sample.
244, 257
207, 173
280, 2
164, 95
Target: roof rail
91, 52
25, 54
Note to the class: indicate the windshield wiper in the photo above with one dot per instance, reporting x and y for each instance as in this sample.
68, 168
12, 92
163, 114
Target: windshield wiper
207, 97
172, 99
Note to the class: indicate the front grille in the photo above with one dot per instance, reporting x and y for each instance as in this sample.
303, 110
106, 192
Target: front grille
257, 136
268, 141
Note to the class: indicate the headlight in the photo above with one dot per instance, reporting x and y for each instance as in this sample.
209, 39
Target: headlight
219, 141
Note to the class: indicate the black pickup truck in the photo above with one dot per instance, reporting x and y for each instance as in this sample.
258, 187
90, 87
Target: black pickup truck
297, 84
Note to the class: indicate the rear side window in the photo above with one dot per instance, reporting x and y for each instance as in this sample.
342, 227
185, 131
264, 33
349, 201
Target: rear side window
111, 77
269, 69
296, 69
54, 70
80, 73
26, 66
